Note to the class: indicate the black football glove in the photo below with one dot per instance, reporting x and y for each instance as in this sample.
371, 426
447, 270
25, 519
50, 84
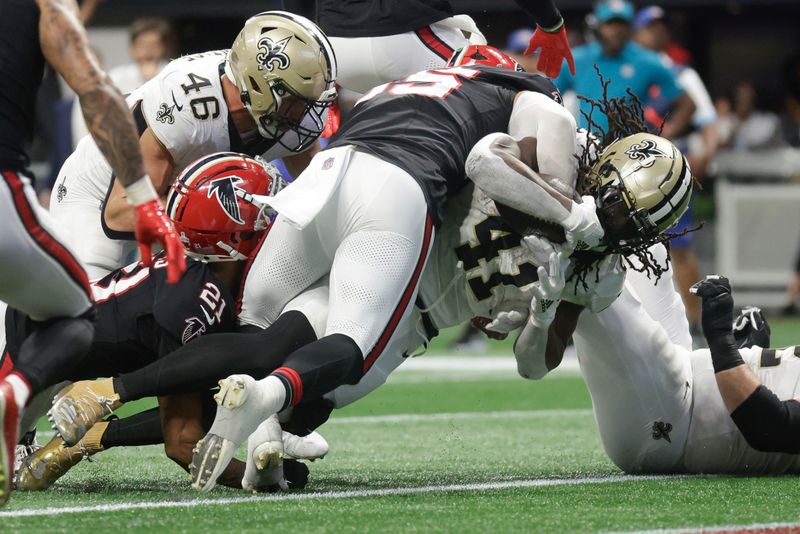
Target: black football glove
717, 306
717, 321
751, 328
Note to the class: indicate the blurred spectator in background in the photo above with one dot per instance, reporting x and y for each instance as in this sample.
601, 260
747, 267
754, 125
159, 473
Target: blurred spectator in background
745, 127
699, 143
790, 120
790, 123
516, 45
625, 65
152, 44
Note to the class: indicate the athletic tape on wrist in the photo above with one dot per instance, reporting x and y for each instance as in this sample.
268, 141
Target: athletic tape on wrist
724, 353
141, 191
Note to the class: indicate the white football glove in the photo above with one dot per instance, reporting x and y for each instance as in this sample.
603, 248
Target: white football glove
540, 248
582, 226
507, 321
547, 290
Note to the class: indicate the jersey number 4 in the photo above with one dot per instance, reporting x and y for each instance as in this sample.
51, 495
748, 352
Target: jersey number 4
430, 83
493, 237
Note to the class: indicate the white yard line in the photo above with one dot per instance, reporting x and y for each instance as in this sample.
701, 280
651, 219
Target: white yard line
760, 527
412, 417
483, 486
415, 417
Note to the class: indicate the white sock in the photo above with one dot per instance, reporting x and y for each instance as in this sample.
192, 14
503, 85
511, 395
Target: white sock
273, 394
20, 388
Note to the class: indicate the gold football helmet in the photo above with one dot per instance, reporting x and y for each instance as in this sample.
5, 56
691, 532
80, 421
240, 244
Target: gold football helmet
285, 68
643, 187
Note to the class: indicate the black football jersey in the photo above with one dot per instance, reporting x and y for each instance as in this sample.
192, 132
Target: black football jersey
21, 71
428, 123
141, 317
374, 18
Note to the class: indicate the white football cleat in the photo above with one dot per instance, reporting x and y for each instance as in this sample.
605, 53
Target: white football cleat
311, 447
240, 410
265, 457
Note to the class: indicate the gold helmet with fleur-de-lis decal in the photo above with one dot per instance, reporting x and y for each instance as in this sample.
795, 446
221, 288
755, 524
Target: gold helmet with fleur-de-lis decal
285, 69
643, 187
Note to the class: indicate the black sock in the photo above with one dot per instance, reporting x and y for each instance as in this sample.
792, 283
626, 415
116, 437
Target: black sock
200, 364
143, 428
49, 353
320, 367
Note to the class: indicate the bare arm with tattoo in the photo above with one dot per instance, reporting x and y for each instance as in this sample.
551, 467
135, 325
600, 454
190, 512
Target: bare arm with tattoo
66, 48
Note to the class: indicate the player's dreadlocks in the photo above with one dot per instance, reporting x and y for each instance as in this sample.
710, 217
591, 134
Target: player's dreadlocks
625, 117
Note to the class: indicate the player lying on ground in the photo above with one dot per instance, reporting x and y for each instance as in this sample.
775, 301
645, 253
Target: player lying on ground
266, 96
140, 318
656, 402
762, 399
38, 273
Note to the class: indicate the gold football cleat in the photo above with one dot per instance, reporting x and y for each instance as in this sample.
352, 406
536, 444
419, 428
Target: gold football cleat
40, 470
80, 406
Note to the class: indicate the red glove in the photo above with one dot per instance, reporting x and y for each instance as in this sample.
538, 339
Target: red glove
555, 48
152, 225
332, 121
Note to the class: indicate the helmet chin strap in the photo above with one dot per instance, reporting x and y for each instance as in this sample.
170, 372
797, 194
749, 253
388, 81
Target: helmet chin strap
233, 255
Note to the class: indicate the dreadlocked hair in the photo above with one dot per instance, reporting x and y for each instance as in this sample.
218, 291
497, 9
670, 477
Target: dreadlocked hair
625, 117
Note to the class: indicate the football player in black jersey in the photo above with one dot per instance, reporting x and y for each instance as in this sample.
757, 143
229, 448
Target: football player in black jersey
38, 274
141, 318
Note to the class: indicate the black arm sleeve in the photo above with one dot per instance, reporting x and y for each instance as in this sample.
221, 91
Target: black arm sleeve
544, 12
768, 424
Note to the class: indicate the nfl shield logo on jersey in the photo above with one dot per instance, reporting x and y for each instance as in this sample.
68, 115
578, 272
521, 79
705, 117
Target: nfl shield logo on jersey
327, 164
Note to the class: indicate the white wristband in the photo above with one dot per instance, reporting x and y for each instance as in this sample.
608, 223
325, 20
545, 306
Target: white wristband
543, 320
141, 191
574, 218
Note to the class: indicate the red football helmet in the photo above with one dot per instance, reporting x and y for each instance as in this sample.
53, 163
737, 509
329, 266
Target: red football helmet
483, 55
216, 205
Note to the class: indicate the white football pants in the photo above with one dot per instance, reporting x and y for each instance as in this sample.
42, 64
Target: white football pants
373, 235
39, 274
364, 62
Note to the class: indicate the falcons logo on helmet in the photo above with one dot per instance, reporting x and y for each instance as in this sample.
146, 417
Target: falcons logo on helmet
225, 191
646, 152
272, 52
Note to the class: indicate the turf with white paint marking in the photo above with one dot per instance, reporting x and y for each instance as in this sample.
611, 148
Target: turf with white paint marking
410, 417
753, 527
482, 486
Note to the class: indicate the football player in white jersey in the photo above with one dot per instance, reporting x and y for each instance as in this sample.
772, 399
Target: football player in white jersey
265, 96
657, 404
